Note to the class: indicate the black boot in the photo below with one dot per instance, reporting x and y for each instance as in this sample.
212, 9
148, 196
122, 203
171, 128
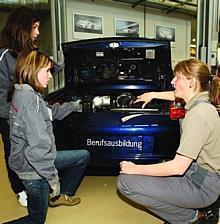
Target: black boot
210, 214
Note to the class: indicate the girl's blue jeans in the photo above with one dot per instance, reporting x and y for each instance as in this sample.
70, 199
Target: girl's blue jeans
71, 165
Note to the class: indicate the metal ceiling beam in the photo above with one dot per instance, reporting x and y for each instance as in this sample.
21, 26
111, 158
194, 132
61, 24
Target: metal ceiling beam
137, 3
187, 2
184, 7
178, 5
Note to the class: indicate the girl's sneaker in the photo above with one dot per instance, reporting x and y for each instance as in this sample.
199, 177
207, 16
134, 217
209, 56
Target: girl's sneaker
64, 199
22, 198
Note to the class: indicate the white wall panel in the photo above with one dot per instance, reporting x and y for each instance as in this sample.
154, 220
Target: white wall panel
110, 11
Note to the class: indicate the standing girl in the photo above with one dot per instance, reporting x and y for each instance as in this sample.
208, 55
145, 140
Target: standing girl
20, 33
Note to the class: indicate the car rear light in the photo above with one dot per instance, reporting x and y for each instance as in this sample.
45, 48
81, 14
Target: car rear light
177, 111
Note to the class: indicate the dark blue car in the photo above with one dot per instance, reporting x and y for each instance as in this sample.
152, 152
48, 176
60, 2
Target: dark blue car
107, 74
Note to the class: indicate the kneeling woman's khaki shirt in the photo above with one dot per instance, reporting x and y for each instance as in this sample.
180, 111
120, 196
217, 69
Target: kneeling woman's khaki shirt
200, 139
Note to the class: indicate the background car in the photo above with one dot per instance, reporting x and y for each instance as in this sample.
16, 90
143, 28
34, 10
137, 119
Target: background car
107, 74
89, 24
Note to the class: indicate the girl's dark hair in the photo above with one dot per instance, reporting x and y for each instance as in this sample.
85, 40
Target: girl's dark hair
16, 34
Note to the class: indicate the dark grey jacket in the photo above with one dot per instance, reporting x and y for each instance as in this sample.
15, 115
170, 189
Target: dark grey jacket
7, 67
33, 149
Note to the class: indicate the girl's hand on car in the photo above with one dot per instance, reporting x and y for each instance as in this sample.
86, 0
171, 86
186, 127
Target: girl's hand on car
146, 98
77, 105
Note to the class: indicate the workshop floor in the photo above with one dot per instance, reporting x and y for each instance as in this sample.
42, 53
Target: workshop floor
100, 204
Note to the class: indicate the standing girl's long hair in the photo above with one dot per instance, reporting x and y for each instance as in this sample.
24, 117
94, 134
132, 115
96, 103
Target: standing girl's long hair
16, 34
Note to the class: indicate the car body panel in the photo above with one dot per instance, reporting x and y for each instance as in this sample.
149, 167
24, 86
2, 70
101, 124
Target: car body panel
107, 74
